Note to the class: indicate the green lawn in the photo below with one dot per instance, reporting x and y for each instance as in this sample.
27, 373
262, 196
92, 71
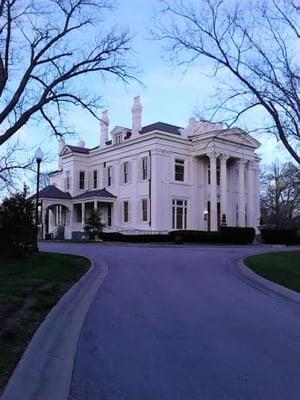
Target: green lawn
29, 288
282, 268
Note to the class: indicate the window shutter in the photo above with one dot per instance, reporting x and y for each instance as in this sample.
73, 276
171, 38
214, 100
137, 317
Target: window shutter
112, 175
129, 212
104, 177
140, 169
121, 174
148, 167
90, 180
129, 171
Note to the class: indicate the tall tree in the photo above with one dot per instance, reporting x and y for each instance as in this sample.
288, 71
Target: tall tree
46, 49
280, 197
253, 45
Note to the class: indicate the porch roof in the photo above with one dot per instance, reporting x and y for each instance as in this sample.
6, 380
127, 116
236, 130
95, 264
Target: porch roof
94, 193
52, 192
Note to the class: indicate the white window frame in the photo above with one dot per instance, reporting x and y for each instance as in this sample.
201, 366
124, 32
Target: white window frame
95, 181
125, 172
175, 206
179, 162
79, 180
145, 168
145, 202
126, 212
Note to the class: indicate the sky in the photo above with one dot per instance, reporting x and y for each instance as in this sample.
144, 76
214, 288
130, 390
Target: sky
168, 94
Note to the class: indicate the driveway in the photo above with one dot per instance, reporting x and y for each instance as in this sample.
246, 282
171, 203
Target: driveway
178, 323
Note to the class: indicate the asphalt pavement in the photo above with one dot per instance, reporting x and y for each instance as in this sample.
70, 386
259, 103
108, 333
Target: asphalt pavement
179, 323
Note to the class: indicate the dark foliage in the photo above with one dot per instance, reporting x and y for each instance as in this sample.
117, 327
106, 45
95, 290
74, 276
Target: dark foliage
94, 225
17, 230
279, 236
232, 234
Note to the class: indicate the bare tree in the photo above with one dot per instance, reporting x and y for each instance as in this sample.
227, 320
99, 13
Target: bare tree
253, 46
47, 48
14, 162
280, 198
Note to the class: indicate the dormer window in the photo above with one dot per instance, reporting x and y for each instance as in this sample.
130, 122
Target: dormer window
118, 139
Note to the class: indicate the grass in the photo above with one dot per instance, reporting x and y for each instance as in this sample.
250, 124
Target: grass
282, 268
29, 288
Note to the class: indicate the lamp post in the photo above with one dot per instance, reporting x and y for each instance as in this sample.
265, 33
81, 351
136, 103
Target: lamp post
38, 158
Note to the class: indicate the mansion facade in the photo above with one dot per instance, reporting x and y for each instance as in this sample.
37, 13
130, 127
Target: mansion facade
155, 178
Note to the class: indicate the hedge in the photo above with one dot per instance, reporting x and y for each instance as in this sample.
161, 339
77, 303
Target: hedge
228, 234
279, 236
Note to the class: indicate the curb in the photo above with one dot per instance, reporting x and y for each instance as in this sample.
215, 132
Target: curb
268, 287
45, 369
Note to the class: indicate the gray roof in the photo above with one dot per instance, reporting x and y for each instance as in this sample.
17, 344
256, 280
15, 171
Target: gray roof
95, 193
52, 192
77, 149
161, 126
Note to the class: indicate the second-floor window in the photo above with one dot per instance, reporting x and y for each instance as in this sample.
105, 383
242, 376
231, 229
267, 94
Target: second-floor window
95, 179
218, 172
145, 168
179, 170
81, 180
125, 172
109, 176
126, 211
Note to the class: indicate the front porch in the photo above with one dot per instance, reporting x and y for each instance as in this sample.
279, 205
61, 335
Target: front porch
61, 216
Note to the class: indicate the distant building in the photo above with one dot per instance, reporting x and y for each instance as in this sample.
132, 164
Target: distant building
155, 178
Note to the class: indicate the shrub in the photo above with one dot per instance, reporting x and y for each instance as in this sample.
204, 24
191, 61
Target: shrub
17, 229
195, 236
237, 235
278, 236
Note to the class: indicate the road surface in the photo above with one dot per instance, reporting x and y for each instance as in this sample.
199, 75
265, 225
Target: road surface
178, 323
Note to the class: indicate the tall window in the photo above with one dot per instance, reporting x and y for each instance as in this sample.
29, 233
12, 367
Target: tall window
95, 179
179, 170
179, 214
144, 210
145, 168
118, 139
109, 176
126, 211
109, 215
125, 172
81, 180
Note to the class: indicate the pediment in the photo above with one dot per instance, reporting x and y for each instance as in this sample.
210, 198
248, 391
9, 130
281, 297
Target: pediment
237, 136
65, 150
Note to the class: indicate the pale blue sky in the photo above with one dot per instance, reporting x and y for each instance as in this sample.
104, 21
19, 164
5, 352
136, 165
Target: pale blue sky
168, 94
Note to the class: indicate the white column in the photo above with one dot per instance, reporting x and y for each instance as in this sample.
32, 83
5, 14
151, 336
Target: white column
251, 200
83, 215
242, 202
213, 192
223, 183
156, 178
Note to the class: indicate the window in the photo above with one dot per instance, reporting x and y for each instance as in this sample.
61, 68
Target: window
125, 172
109, 176
95, 179
126, 211
179, 170
81, 180
109, 215
145, 168
144, 210
118, 139
179, 214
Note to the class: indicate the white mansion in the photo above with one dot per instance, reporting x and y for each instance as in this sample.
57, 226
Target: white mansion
155, 178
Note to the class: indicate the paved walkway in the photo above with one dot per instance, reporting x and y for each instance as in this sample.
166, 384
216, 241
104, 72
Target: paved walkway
177, 323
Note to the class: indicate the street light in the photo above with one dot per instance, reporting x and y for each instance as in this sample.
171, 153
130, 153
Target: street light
38, 158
